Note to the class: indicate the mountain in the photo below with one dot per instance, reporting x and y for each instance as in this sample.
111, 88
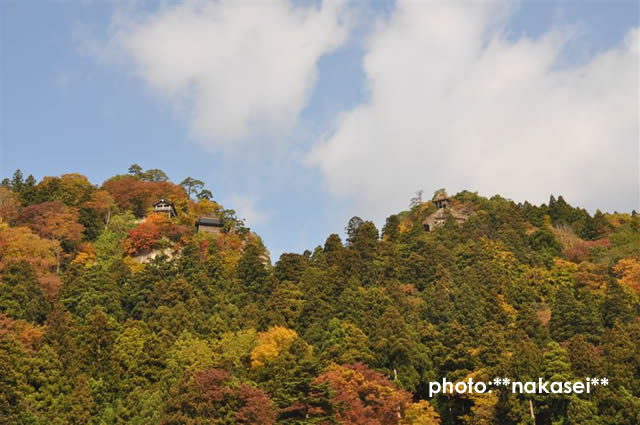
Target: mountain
117, 309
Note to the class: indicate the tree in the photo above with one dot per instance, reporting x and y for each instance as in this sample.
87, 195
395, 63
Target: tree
345, 343
17, 181
21, 296
271, 344
131, 193
628, 271
102, 202
53, 220
364, 397
391, 229
21, 244
207, 396
352, 228
251, 271
135, 170
205, 194
142, 238
617, 305
420, 413
71, 189
9, 205
79, 404
416, 200
582, 412
155, 175
191, 185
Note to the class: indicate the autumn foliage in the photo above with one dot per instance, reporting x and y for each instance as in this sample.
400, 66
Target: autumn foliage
363, 396
52, 220
136, 195
350, 332
208, 396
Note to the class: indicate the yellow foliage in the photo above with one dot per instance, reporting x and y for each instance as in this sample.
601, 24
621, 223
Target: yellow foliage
405, 225
133, 265
84, 258
617, 219
483, 410
270, 344
564, 265
191, 353
506, 307
420, 413
629, 271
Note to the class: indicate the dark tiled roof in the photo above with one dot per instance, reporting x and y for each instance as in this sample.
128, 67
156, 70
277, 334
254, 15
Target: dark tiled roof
209, 221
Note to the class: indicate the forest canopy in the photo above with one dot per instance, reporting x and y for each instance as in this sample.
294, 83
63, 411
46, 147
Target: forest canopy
111, 313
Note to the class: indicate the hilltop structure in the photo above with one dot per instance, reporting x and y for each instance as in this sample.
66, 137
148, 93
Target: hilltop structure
209, 224
444, 209
164, 206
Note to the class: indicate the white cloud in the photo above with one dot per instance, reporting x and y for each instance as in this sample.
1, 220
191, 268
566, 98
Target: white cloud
242, 67
455, 104
247, 209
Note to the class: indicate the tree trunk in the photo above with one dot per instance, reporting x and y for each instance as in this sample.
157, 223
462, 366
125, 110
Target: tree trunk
533, 416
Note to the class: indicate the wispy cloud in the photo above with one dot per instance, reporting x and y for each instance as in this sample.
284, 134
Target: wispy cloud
239, 69
247, 208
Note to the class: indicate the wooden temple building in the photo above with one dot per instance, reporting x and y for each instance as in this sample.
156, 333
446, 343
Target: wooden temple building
209, 224
164, 206
444, 209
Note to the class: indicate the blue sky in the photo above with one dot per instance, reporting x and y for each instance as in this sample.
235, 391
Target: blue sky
381, 100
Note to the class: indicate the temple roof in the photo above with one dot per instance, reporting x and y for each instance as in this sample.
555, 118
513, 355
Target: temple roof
441, 196
211, 220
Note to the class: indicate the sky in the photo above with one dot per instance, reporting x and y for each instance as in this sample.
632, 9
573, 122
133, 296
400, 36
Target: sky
300, 114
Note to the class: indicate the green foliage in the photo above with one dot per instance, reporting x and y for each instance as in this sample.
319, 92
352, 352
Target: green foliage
20, 293
344, 333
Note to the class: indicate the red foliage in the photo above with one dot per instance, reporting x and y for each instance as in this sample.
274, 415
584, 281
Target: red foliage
208, 397
53, 220
579, 250
50, 285
363, 396
257, 407
131, 193
142, 238
204, 249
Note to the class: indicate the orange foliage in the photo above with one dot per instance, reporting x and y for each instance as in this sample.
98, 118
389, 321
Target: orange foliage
29, 335
20, 243
102, 202
129, 192
53, 220
628, 270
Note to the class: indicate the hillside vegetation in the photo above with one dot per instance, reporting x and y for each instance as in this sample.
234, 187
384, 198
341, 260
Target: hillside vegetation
350, 332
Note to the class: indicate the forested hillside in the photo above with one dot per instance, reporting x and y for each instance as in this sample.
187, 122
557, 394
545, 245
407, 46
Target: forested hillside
351, 332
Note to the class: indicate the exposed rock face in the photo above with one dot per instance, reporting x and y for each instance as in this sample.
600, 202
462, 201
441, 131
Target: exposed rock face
148, 257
